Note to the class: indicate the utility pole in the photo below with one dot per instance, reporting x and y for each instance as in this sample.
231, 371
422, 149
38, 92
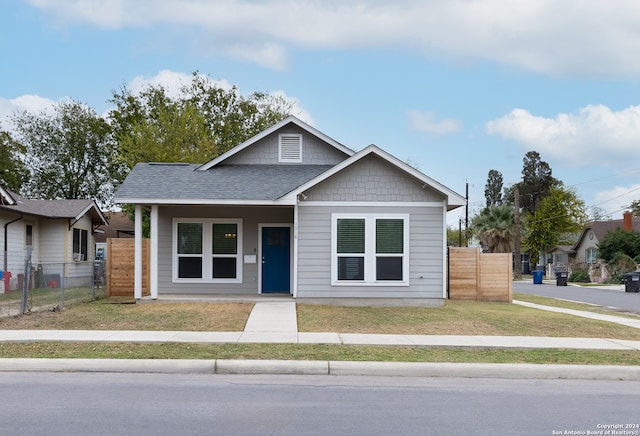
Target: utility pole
466, 216
517, 257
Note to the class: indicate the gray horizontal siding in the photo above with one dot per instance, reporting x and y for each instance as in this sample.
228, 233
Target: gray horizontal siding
314, 150
425, 254
251, 218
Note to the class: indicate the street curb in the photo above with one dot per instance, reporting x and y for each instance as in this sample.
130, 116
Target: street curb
318, 367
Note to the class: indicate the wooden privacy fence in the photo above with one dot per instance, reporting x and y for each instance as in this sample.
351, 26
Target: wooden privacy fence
474, 275
120, 267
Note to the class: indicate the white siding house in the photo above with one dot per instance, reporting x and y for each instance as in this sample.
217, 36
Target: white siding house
56, 232
293, 211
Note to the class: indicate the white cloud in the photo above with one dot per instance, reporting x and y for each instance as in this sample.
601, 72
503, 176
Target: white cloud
595, 135
617, 200
589, 37
29, 103
427, 122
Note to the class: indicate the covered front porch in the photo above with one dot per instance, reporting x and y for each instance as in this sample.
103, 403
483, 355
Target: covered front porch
217, 250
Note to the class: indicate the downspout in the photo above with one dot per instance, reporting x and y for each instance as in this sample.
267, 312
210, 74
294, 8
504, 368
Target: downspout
6, 243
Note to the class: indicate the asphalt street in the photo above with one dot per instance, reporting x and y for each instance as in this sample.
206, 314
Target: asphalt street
169, 404
620, 300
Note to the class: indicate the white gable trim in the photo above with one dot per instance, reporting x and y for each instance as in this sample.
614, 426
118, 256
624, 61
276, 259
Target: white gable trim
270, 130
6, 197
453, 199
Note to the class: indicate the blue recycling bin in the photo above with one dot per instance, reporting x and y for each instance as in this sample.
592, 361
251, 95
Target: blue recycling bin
537, 276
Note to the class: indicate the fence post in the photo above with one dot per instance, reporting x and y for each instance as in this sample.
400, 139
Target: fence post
27, 277
62, 283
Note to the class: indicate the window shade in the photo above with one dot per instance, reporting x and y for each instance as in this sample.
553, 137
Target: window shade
189, 238
225, 239
350, 235
389, 236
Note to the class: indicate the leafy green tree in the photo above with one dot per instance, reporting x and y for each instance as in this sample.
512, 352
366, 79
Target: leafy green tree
619, 242
152, 127
203, 121
634, 207
559, 216
536, 183
494, 228
13, 173
493, 188
70, 153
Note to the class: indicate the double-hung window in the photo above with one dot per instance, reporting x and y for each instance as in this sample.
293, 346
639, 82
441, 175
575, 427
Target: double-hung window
370, 249
80, 244
207, 250
591, 255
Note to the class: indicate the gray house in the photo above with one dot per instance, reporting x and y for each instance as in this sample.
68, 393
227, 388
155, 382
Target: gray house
293, 211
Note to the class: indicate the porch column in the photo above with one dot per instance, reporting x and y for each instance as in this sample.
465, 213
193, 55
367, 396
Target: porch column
137, 275
445, 278
294, 291
153, 261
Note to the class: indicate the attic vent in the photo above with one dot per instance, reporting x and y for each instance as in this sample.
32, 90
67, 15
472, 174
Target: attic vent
290, 148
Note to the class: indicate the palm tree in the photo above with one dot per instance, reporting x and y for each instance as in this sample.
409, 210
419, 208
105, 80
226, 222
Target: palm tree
494, 228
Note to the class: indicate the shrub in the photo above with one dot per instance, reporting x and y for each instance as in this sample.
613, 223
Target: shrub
620, 265
579, 275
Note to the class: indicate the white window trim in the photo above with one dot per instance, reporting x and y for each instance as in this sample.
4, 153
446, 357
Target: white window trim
369, 250
285, 160
207, 250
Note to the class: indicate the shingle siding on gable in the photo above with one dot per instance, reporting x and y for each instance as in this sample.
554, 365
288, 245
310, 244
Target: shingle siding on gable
371, 179
265, 152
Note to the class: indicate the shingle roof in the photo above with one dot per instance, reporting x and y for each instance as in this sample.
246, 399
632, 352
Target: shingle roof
601, 228
157, 181
70, 209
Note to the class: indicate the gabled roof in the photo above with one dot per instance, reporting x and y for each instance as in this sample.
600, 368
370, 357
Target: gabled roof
454, 199
6, 197
56, 209
601, 228
289, 120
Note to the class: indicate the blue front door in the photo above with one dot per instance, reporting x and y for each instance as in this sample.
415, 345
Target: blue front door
276, 259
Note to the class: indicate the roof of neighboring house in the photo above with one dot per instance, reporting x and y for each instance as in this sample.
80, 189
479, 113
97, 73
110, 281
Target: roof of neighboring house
601, 228
62, 209
119, 226
157, 182
562, 249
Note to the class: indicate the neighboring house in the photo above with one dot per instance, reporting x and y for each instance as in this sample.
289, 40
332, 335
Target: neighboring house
585, 249
58, 231
118, 226
293, 211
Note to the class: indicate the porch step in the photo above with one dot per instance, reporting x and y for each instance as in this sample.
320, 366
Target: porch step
273, 317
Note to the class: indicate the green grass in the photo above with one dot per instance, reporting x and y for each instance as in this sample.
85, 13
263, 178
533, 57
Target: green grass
455, 318
316, 352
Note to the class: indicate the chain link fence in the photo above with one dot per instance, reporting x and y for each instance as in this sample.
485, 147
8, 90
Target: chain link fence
50, 286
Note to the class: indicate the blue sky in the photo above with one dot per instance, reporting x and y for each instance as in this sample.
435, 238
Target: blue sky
454, 87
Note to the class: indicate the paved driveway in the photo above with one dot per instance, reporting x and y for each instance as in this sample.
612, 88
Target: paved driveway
618, 299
